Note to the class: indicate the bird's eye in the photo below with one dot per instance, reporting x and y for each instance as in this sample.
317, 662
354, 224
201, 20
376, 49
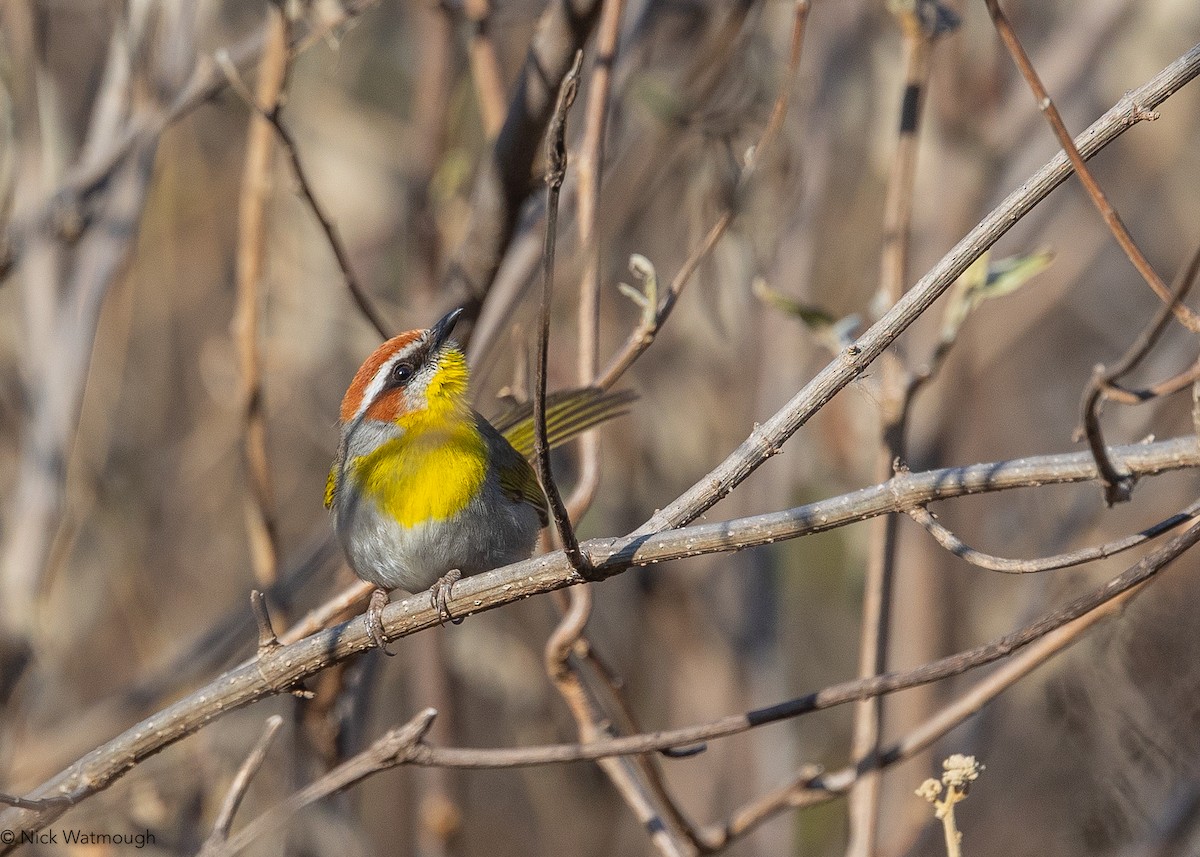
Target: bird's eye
402, 373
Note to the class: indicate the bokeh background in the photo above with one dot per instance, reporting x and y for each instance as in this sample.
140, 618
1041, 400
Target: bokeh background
126, 556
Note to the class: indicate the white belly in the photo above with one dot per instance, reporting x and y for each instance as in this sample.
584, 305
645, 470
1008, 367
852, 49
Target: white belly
490, 532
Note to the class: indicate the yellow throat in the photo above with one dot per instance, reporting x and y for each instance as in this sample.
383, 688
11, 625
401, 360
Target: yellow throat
438, 463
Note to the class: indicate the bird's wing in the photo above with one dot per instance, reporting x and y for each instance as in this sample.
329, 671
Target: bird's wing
335, 471
517, 479
569, 413
331, 484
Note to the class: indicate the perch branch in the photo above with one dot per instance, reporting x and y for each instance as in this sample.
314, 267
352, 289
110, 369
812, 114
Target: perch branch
404, 745
291, 664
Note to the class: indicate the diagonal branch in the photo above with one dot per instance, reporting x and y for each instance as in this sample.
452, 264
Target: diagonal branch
1008, 35
766, 440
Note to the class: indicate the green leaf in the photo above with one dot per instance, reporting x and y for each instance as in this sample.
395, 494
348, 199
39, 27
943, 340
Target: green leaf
814, 317
985, 280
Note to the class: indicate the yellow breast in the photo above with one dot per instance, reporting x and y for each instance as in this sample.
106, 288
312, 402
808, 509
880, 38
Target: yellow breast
430, 473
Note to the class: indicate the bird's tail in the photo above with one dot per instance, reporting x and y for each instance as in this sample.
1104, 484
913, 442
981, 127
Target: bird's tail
569, 413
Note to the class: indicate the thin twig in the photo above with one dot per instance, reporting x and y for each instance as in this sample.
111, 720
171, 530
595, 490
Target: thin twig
239, 786
652, 321
556, 160
895, 392
1117, 486
1008, 35
261, 526
485, 67
576, 604
1123, 395
395, 747
636, 780
340, 254
589, 164
267, 640
960, 549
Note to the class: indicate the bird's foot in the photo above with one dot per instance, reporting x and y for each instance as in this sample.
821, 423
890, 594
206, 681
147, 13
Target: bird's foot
379, 600
441, 592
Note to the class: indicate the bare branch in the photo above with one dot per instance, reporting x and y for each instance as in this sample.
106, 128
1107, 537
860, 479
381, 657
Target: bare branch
1009, 36
394, 748
341, 255
767, 438
237, 789
960, 549
1117, 486
291, 664
556, 168
261, 526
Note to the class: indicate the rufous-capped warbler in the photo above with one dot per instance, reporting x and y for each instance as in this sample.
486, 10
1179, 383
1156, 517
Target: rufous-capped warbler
424, 489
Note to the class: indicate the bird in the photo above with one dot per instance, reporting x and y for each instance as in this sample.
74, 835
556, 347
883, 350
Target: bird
423, 489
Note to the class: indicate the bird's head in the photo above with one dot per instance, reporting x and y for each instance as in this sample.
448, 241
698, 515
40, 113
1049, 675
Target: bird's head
418, 374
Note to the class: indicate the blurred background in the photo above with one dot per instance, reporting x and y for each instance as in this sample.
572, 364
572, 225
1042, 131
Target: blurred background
127, 540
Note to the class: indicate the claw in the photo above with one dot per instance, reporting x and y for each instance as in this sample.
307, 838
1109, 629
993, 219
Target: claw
379, 600
441, 592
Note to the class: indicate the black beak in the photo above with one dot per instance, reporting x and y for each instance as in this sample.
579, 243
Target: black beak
440, 332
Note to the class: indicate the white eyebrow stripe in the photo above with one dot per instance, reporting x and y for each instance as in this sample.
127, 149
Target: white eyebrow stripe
381, 375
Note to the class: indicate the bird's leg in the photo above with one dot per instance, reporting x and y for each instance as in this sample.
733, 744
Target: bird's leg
379, 600
440, 593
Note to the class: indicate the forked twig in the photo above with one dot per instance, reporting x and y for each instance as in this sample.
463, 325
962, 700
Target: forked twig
395, 747
1119, 486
